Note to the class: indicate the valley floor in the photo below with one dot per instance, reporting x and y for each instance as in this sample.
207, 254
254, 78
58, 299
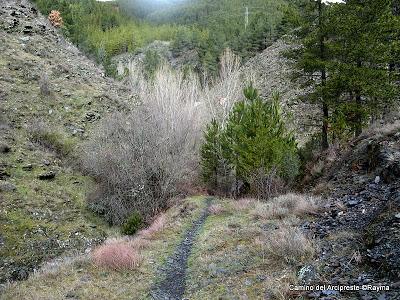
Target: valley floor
227, 261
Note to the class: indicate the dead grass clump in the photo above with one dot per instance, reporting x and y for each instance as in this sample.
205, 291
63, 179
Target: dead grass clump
216, 209
44, 84
269, 211
322, 188
55, 18
380, 130
51, 138
157, 226
243, 204
116, 255
139, 243
289, 245
53, 267
278, 287
285, 206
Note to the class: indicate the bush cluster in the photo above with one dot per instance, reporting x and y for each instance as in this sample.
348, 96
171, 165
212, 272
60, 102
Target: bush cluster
140, 159
133, 224
252, 143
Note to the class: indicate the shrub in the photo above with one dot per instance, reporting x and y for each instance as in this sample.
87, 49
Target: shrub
132, 224
266, 185
116, 255
141, 158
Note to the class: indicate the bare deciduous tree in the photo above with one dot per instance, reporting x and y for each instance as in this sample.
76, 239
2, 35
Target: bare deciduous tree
140, 159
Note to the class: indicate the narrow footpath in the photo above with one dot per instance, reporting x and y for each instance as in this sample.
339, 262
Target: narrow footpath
173, 274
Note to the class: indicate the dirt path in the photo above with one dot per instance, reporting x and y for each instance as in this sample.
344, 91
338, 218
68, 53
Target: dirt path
173, 273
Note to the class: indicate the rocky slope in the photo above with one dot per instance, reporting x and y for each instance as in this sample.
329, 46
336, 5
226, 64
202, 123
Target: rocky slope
360, 229
274, 73
51, 96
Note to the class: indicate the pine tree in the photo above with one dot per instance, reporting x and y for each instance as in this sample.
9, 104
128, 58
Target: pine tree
254, 138
362, 50
313, 56
211, 154
353, 48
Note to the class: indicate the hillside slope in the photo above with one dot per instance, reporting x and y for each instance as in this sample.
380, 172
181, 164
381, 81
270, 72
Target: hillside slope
360, 231
274, 73
42, 197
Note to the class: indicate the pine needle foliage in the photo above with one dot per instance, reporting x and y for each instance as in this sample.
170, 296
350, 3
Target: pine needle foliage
254, 137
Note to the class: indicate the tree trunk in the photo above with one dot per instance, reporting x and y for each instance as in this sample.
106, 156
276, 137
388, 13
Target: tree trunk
325, 108
358, 129
325, 125
396, 7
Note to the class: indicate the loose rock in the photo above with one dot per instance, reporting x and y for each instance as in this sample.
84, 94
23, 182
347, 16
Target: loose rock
47, 176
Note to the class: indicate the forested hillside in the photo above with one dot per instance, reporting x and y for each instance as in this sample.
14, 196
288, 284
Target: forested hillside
245, 27
102, 29
106, 29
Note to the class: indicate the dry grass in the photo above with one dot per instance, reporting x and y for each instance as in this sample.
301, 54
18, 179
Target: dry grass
139, 243
116, 255
279, 288
217, 209
380, 130
233, 240
285, 206
289, 245
243, 204
85, 280
322, 188
51, 268
157, 226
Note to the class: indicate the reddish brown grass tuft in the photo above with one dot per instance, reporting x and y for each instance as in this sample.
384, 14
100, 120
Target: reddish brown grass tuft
55, 18
116, 255
139, 243
157, 226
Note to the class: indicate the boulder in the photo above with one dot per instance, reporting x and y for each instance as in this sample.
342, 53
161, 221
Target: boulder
47, 175
7, 187
4, 148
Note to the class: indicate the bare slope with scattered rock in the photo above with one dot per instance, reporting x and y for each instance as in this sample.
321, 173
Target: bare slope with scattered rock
51, 96
360, 229
274, 72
